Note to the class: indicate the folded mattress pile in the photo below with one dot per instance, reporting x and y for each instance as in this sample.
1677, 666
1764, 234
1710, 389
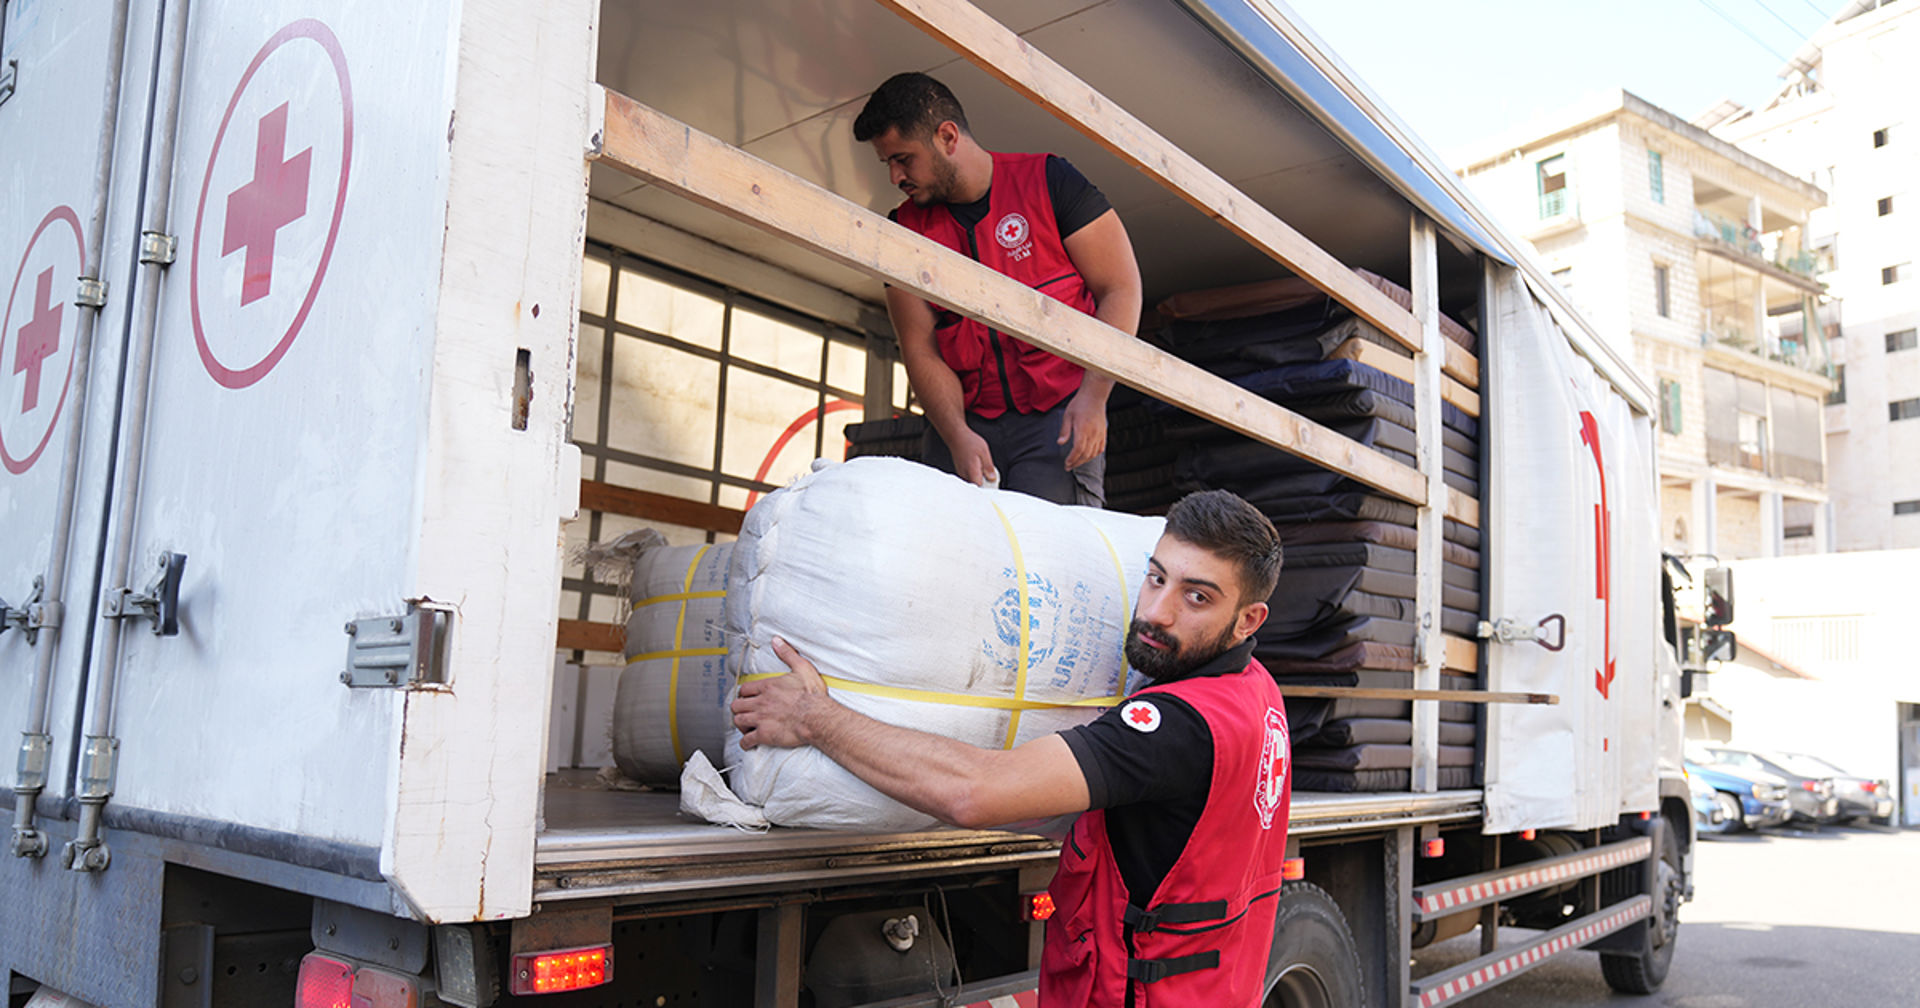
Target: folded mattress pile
1343, 614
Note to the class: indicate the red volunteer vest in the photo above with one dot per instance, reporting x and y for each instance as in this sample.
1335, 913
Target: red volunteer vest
1204, 938
1017, 237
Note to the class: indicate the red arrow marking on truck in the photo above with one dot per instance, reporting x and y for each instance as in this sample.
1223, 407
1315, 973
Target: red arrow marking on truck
39, 338
275, 198
1603, 553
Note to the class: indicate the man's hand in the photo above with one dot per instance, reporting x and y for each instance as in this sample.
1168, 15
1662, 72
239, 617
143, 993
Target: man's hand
777, 711
1086, 426
972, 459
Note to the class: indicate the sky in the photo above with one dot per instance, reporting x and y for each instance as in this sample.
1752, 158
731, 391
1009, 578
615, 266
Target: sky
1462, 73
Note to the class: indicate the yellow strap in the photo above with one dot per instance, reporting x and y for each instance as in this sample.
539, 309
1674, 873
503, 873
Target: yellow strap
1126, 601
698, 652
678, 597
949, 699
1020, 674
673, 676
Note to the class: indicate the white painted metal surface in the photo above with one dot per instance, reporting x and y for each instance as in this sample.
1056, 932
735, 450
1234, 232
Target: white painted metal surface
1571, 541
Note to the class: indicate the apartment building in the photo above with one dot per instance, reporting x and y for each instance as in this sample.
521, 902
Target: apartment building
1846, 118
1691, 256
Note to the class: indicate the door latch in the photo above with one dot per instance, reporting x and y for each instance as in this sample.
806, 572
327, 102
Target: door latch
33, 616
1507, 630
159, 601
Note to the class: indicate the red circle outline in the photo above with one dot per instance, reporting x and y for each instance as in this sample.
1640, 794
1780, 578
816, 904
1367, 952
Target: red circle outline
320, 34
818, 413
62, 212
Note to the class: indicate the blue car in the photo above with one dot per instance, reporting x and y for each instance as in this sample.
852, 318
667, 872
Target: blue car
1748, 799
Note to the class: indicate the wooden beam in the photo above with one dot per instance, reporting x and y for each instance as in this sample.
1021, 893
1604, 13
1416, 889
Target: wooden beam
653, 147
612, 499
1382, 358
1460, 654
1000, 52
581, 635
1372, 693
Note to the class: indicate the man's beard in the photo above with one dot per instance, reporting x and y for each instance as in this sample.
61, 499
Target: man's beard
946, 182
1176, 659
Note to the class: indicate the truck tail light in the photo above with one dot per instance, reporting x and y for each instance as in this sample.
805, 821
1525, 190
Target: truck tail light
326, 982
1293, 869
564, 970
1870, 786
1039, 906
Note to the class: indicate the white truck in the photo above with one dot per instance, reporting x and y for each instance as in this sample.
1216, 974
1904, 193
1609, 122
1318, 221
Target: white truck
330, 331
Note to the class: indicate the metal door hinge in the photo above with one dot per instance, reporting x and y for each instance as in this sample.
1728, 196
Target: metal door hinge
395, 652
157, 248
159, 602
9, 79
91, 293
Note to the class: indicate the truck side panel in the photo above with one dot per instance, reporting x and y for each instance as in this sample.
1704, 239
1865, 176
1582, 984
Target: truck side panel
1568, 453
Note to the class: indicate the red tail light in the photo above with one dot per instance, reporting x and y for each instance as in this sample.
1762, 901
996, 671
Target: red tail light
564, 970
1433, 848
324, 983
1810, 785
1870, 786
1039, 906
1293, 869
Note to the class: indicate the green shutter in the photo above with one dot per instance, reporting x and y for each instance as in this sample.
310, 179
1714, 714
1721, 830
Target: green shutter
1656, 180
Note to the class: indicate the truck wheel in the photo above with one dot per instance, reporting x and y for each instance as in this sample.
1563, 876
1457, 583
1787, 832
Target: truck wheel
1643, 970
1314, 963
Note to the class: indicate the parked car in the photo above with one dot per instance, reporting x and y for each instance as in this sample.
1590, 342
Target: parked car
1859, 797
1810, 795
1710, 807
1747, 800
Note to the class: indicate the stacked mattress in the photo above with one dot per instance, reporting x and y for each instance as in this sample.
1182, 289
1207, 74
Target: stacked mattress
1343, 613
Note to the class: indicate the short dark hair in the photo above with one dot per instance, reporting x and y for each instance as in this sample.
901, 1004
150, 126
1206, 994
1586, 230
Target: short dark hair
1222, 523
913, 103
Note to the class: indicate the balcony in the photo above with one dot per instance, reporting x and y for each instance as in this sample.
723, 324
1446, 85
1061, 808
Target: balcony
1744, 243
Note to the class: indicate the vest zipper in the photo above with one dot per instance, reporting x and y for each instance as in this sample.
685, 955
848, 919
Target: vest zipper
993, 335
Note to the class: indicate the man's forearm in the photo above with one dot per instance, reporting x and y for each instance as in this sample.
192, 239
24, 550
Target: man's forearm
929, 773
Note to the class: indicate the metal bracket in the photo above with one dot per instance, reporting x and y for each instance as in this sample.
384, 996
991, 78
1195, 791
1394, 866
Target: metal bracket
9, 79
157, 248
32, 617
91, 293
159, 602
396, 652
1508, 631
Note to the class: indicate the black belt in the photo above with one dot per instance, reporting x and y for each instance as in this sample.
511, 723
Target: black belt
1139, 920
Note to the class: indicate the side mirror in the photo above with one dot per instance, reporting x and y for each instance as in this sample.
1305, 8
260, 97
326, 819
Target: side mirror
1718, 645
1719, 603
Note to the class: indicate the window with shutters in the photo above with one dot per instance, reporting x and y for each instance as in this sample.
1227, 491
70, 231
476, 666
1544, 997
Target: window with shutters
1903, 409
1662, 290
1885, 205
1554, 192
1656, 181
1839, 393
1670, 420
1901, 339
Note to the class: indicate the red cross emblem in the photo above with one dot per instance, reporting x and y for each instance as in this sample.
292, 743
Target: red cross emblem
1270, 791
271, 203
275, 198
1011, 231
1140, 716
36, 360
39, 338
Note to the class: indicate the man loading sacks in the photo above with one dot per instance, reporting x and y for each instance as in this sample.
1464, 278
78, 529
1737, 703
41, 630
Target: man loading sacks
1167, 883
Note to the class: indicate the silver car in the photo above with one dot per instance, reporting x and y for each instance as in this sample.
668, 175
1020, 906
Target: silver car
1810, 795
1859, 797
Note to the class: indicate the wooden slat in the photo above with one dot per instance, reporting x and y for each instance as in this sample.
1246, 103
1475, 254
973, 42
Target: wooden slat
1382, 693
1460, 654
581, 635
1000, 52
655, 148
1381, 358
597, 496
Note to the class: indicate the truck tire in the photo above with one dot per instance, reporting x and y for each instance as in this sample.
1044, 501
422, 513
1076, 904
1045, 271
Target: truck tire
1314, 963
1643, 970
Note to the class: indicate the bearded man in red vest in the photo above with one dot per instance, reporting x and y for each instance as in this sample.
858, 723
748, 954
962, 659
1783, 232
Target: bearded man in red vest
1002, 409
1169, 877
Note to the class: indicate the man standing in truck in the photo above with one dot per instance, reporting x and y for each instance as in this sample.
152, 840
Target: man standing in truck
1168, 882
1001, 408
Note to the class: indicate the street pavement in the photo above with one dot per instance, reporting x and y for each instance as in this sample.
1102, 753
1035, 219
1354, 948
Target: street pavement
1787, 918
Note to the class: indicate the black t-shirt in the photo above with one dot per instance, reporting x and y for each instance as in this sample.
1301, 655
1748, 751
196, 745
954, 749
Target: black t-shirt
1153, 784
1076, 201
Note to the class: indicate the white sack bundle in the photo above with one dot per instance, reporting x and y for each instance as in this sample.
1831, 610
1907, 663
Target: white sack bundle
672, 697
929, 603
